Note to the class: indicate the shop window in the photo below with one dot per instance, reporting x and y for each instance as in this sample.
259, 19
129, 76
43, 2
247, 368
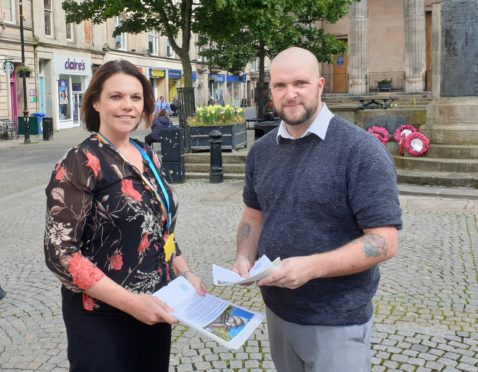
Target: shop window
8, 11
48, 14
64, 99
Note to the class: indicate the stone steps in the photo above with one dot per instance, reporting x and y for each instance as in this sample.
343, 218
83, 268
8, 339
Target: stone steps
436, 164
446, 179
197, 164
453, 151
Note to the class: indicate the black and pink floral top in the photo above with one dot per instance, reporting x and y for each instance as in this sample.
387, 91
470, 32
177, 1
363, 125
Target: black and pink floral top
102, 219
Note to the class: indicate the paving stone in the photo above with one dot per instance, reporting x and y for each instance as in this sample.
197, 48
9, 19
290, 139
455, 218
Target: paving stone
426, 308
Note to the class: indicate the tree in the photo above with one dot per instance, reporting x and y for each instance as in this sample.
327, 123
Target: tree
168, 18
239, 31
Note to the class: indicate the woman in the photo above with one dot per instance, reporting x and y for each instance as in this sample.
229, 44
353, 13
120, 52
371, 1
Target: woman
109, 233
160, 121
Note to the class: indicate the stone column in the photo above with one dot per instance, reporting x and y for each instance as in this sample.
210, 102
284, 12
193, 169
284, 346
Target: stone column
358, 47
452, 116
415, 45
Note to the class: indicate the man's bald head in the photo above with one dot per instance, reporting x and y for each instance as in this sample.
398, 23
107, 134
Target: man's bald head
297, 58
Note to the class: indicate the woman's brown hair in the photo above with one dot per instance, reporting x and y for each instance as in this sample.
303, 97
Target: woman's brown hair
90, 117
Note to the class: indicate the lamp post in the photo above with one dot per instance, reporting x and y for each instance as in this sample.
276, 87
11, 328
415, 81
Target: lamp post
26, 124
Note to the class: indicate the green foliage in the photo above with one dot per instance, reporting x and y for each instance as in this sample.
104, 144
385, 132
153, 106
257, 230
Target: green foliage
171, 19
238, 31
216, 115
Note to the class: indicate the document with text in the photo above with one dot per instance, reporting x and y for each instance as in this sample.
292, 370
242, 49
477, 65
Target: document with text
226, 323
262, 268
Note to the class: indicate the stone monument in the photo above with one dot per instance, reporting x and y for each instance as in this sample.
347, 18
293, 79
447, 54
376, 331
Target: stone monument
452, 116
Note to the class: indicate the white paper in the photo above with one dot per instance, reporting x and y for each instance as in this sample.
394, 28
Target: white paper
220, 320
262, 267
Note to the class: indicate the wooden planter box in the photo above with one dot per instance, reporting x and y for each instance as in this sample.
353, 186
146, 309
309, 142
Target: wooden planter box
233, 136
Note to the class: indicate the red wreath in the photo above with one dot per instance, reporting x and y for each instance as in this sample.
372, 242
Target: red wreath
381, 133
417, 144
404, 128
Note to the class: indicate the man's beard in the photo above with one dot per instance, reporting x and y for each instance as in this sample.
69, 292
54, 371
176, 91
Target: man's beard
303, 118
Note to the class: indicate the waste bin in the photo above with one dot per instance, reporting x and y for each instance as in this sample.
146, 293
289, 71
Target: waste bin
172, 154
265, 126
39, 116
47, 128
32, 122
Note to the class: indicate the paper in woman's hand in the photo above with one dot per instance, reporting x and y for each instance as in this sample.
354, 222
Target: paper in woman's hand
263, 267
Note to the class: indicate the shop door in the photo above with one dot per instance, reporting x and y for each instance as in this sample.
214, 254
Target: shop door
340, 79
13, 96
77, 101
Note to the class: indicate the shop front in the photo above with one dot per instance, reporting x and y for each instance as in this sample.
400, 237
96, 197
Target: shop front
235, 88
157, 77
216, 86
72, 75
175, 82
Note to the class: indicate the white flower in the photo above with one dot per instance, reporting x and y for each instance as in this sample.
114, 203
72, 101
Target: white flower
59, 233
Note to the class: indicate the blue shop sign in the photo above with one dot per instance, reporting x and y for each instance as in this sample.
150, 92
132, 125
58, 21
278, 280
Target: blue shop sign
237, 78
218, 78
174, 74
194, 77
340, 60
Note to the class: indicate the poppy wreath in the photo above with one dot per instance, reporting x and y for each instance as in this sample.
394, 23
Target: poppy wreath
417, 144
405, 129
381, 133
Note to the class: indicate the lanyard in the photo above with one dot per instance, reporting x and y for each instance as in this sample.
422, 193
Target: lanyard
165, 205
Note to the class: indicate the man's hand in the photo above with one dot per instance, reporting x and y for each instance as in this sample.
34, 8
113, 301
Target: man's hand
242, 266
293, 273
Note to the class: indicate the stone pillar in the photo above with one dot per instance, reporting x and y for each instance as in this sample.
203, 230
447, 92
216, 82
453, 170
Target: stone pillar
358, 47
452, 116
415, 45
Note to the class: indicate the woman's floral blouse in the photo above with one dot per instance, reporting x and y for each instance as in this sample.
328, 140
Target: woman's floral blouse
102, 219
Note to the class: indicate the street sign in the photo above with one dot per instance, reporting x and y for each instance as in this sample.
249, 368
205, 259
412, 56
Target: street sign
8, 67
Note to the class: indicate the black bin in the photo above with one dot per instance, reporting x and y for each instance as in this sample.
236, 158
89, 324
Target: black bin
172, 154
47, 128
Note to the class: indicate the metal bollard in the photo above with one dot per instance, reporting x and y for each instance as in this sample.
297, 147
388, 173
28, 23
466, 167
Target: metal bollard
216, 174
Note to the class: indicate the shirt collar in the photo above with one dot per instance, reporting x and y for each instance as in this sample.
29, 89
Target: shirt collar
318, 127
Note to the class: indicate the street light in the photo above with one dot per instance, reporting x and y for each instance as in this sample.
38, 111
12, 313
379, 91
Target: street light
26, 124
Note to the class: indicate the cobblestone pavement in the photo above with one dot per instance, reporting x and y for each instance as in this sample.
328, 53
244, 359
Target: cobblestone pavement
426, 308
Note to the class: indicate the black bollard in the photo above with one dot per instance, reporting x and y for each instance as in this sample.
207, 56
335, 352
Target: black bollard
216, 174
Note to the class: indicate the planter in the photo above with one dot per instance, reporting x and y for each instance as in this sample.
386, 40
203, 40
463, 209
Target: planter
233, 136
385, 87
25, 74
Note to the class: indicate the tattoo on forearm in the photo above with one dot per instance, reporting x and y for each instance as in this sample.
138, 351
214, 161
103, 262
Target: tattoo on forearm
243, 232
374, 245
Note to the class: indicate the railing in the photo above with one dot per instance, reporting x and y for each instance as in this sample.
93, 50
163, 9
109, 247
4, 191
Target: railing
397, 77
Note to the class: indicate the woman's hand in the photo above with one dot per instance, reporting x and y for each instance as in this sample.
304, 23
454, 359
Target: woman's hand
150, 310
196, 282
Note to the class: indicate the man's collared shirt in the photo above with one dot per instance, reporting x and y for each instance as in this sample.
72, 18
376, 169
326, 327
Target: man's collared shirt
318, 127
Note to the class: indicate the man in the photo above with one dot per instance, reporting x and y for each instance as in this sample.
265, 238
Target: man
321, 194
161, 104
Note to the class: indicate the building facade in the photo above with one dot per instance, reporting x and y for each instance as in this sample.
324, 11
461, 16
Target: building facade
388, 40
63, 57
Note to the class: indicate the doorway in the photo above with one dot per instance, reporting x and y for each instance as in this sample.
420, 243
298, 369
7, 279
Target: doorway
77, 101
340, 77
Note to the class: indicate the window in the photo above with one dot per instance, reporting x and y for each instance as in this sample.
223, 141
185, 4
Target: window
153, 42
120, 40
169, 51
69, 32
48, 13
255, 65
8, 11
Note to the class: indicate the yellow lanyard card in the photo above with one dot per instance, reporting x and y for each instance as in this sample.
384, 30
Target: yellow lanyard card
169, 247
